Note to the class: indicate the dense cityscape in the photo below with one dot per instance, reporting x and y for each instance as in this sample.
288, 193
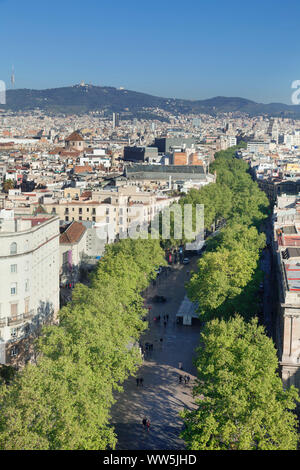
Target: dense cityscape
150, 272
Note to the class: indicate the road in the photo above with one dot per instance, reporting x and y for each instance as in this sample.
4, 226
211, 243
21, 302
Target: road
269, 295
161, 397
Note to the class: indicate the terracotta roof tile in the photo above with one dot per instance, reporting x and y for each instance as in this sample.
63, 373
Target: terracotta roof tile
72, 234
74, 137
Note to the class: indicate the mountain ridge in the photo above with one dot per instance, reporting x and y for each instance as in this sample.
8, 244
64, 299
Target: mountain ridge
85, 98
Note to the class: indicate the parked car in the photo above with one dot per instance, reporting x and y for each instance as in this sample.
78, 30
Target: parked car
186, 261
159, 298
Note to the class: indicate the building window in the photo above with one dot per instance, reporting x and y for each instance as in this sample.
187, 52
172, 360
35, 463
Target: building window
13, 248
80, 218
80, 210
13, 309
65, 257
88, 209
13, 288
67, 219
13, 332
94, 219
13, 268
14, 351
94, 211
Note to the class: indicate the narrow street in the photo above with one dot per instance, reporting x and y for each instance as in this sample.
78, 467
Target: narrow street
269, 294
161, 397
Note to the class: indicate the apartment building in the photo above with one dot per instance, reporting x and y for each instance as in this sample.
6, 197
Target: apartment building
227, 141
113, 211
286, 251
29, 281
258, 146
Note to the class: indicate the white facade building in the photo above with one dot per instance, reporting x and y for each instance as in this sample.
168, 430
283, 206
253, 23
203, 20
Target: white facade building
29, 281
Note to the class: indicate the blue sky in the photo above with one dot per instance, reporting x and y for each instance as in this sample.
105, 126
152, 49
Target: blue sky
192, 49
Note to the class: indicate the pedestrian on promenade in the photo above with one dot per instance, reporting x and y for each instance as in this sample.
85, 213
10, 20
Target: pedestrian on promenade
188, 378
144, 423
165, 323
148, 424
167, 317
180, 379
137, 382
185, 379
141, 381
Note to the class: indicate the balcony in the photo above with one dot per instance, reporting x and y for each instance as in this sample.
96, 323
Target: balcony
15, 320
29, 314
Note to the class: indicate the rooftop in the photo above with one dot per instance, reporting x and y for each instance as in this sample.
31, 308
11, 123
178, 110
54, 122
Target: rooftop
72, 233
75, 137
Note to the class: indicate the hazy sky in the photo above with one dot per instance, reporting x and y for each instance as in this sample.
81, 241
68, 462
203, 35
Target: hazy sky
187, 49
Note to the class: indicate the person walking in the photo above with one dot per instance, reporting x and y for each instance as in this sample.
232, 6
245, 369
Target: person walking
144, 423
180, 379
137, 382
148, 424
141, 381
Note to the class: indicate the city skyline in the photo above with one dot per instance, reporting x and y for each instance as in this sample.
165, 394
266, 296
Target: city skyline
191, 51
149, 228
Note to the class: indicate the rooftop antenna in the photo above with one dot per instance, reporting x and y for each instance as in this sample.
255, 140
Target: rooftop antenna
12, 79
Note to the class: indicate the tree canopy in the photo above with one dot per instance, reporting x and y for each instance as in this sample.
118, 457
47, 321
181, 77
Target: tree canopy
241, 403
64, 401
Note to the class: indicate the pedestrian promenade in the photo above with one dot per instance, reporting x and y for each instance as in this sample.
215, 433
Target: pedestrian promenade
162, 396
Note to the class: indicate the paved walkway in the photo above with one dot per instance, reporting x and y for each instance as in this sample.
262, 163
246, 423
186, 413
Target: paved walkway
161, 397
